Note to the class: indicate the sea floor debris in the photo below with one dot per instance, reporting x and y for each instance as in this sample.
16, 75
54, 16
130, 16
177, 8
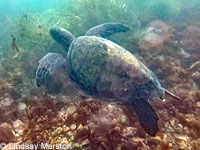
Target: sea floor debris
34, 116
91, 124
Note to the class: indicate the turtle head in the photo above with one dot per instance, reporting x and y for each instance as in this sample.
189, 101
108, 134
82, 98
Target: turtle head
62, 36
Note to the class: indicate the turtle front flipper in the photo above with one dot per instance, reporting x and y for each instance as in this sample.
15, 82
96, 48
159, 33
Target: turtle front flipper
49, 64
147, 116
62, 36
107, 29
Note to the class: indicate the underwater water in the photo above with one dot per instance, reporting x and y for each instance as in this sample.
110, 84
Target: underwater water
103, 97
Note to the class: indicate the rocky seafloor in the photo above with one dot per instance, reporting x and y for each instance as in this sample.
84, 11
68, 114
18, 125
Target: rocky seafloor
34, 116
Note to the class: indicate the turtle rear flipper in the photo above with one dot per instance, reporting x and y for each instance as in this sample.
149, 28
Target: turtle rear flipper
147, 116
107, 29
48, 65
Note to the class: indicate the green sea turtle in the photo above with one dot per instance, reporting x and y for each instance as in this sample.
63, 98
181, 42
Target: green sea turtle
103, 69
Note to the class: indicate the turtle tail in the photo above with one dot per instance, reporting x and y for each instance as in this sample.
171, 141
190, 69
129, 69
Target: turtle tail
168, 93
107, 29
62, 36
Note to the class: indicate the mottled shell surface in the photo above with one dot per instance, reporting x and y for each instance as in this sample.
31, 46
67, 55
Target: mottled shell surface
102, 68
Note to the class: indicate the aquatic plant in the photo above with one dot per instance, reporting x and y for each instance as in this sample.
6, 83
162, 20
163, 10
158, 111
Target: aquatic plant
189, 39
7, 102
83, 122
32, 29
84, 125
91, 124
165, 10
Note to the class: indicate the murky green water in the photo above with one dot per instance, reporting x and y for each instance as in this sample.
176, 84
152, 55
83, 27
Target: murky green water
164, 35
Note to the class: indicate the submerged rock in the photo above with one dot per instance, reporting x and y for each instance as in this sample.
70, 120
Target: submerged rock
156, 34
189, 38
6, 102
6, 133
195, 72
18, 125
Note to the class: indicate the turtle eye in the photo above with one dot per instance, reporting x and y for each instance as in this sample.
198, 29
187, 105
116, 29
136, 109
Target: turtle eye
123, 75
